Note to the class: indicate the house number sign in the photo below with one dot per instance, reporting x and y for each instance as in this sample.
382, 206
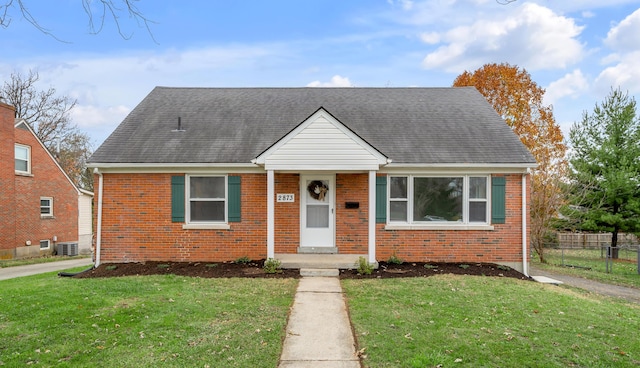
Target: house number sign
285, 198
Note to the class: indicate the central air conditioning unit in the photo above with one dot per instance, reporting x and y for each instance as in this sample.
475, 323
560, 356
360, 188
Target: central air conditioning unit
67, 249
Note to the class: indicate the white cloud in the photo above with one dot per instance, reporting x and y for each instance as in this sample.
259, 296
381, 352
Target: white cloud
336, 81
588, 14
625, 75
406, 4
87, 116
625, 36
430, 38
532, 36
624, 39
570, 85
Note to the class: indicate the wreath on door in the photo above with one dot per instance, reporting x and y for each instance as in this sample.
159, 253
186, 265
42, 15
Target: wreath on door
317, 190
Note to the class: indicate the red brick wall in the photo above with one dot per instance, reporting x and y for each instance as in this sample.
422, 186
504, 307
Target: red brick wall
503, 244
137, 225
46, 180
287, 222
7, 183
352, 230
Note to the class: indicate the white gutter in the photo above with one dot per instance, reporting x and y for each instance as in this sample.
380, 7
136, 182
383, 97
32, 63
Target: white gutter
99, 217
525, 268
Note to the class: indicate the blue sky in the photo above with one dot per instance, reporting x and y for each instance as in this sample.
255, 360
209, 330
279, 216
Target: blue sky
577, 50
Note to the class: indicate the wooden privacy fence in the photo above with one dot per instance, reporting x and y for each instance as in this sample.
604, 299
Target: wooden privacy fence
589, 240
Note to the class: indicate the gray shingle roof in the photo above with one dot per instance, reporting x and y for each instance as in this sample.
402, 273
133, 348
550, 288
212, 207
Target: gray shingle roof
235, 125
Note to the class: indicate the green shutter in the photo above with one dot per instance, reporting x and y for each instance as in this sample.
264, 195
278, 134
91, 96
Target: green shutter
498, 200
234, 199
381, 199
177, 198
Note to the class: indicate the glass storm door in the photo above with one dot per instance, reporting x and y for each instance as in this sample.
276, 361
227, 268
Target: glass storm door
317, 217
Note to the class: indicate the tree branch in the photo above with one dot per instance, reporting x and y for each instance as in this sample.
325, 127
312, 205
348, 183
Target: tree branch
113, 9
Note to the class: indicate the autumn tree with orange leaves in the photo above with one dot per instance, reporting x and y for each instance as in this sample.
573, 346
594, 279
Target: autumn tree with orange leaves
518, 100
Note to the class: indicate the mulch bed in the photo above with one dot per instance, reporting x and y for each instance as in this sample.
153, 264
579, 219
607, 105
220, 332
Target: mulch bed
254, 270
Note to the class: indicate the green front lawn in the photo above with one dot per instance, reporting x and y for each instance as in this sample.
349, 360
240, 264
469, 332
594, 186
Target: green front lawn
469, 321
148, 321
452, 321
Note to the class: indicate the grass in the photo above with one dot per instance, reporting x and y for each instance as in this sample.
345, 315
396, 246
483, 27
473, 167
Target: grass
29, 261
466, 321
147, 321
591, 266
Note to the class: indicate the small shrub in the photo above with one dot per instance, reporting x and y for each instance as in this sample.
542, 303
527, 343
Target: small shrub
464, 266
394, 259
212, 265
504, 268
243, 260
430, 266
163, 265
271, 265
363, 266
111, 267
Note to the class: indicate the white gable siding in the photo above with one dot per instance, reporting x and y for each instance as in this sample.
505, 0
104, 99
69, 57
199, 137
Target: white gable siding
322, 144
85, 229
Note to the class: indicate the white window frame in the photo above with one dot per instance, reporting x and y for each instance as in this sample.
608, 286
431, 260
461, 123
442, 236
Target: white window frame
464, 224
48, 242
28, 149
50, 199
188, 199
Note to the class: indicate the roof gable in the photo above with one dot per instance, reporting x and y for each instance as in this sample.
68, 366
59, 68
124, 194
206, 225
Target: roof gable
23, 125
321, 142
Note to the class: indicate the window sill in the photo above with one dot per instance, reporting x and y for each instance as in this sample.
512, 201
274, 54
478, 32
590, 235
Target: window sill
438, 227
47, 217
22, 173
206, 227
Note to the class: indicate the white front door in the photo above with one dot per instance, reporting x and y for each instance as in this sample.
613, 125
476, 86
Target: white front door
317, 218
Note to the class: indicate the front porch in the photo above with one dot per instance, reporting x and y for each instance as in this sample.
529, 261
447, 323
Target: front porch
320, 261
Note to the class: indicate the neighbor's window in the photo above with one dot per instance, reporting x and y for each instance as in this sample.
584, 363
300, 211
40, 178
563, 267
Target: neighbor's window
46, 206
423, 199
45, 244
207, 198
23, 159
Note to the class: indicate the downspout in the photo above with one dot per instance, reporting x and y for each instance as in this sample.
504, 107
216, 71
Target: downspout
525, 266
99, 216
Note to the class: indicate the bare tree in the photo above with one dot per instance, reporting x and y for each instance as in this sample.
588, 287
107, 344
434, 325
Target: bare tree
98, 12
49, 116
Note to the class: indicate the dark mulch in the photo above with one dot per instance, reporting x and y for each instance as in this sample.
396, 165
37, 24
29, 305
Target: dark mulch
419, 269
254, 270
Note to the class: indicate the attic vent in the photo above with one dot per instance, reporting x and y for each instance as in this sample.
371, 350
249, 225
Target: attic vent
67, 249
180, 129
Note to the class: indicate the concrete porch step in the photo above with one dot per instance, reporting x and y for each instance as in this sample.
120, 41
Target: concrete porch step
319, 261
319, 272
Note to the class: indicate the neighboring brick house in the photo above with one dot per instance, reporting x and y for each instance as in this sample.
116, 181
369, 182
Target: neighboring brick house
40, 207
214, 174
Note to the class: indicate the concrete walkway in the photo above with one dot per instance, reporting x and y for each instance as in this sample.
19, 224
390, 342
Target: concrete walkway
318, 333
28, 270
626, 293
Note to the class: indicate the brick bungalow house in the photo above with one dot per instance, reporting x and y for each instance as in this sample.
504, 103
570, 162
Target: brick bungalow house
214, 174
40, 207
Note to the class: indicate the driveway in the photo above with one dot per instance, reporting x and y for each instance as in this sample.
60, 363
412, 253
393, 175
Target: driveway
627, 293
27, 270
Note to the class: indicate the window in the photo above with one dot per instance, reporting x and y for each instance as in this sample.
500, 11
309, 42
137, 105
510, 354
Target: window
206, 198
45, 244
46, 207
23, 159
438, 199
